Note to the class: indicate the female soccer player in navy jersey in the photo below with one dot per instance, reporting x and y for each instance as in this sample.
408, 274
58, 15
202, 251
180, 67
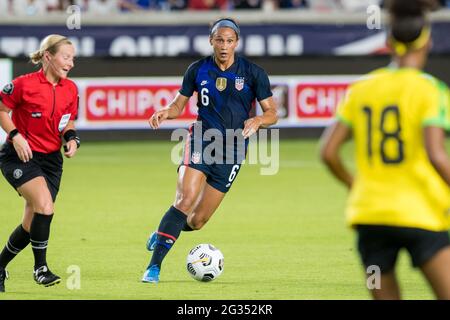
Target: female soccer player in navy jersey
44, 105
227, 86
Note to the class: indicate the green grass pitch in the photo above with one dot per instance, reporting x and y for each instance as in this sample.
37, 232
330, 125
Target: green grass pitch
283, 236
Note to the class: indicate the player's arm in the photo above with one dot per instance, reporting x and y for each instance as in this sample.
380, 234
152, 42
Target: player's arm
72, 139
172, 111
435, 146
331, 142
5, 120
436, 106
268, 118
20, 144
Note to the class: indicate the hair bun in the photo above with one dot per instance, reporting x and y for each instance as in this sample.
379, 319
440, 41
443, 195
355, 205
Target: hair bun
36, 57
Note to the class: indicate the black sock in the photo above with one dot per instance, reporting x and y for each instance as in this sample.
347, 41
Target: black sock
17, 241
39, 234
168, 232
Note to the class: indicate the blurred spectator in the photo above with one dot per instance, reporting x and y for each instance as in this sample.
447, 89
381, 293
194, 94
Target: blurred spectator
445, 3
291, 4
247, 4
324, 5
138, 5
103, 7
4, 7
207, 4
29, 7
83, 4
358, 5
54, 5
177, 4
64, 4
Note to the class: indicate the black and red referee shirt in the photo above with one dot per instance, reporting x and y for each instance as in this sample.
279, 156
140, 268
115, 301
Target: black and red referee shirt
41, 110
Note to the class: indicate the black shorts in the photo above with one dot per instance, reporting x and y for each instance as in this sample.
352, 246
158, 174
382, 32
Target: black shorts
44, 165
379, 245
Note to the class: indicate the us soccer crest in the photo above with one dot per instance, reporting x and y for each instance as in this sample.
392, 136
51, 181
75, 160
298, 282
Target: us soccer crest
239, 83
196, 157
221, 84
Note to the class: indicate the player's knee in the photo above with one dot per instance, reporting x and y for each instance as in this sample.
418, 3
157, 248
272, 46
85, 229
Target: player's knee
185, 202
43, 206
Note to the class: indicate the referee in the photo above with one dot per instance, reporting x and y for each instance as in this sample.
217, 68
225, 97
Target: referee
44, 105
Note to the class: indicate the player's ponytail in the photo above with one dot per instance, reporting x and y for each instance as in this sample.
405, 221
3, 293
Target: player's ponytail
36, 57
409, 25
51, 44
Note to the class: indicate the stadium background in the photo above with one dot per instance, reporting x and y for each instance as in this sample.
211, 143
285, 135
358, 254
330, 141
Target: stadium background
310, 49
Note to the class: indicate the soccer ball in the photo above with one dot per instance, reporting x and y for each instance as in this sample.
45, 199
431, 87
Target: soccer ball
205, 262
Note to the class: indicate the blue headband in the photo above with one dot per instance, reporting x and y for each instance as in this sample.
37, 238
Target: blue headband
226, 24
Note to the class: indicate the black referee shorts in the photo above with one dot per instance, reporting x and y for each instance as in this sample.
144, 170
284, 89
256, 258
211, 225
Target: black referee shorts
380, 245
44, 165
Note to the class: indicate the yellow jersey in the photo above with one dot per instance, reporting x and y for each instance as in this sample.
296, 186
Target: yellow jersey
395, 183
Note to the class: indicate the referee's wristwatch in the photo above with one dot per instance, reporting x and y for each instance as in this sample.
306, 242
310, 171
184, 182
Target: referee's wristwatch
72, 135
77, 140
12, 134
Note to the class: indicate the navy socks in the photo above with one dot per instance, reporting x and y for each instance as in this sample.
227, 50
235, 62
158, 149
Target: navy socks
168, 232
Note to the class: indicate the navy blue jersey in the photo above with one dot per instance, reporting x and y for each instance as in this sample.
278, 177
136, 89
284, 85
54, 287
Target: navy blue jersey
225, 98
